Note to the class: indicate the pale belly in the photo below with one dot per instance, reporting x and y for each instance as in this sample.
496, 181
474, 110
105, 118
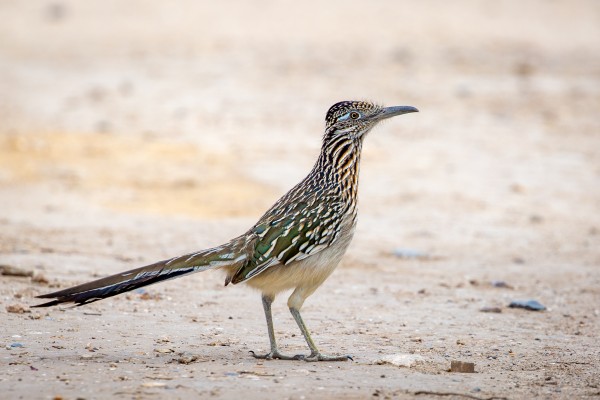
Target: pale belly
307, 274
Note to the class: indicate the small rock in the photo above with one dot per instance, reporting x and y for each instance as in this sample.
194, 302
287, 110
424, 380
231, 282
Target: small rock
531, 305
164, 350
41, 279
18, 308
462, 366
150, 296
400, 360
501, 284
186, 358
154, 384
36, 316
491, 309
9, 270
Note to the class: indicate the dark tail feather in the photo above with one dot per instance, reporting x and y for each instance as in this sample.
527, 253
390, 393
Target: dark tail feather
113, 285
228, 255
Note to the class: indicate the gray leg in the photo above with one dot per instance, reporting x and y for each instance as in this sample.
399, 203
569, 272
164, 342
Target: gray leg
315, 355
274, 353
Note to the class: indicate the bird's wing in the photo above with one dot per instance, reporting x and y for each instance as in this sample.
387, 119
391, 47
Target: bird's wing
300, 230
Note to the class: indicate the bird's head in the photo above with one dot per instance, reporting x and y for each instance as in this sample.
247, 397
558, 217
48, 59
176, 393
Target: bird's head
354, 119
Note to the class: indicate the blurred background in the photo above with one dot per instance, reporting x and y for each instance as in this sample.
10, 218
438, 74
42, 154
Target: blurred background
212, 110
132, 131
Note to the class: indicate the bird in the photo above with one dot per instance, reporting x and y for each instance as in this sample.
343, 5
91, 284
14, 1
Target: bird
295, 245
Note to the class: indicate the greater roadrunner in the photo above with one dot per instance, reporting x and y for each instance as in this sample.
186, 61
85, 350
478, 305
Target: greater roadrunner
296, 244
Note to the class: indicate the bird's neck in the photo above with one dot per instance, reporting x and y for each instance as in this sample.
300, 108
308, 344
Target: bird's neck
339, 162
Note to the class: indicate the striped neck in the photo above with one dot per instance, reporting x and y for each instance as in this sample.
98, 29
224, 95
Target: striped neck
338, 165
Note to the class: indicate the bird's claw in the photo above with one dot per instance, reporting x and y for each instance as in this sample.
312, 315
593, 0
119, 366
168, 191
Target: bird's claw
313, 357
275, 355
322, 357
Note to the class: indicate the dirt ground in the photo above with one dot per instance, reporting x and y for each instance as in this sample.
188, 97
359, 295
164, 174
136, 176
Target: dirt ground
135, 131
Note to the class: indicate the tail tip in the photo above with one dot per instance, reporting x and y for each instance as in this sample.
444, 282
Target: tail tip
47, 304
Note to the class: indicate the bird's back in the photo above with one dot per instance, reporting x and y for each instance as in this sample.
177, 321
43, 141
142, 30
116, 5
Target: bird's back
313, 216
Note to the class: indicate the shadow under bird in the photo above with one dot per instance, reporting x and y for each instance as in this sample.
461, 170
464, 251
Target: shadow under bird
295, 245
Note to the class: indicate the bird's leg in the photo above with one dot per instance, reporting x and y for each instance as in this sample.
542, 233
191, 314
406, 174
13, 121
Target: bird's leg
315, 355
274, 353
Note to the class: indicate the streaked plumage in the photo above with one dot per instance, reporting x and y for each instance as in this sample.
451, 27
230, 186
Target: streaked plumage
296, 244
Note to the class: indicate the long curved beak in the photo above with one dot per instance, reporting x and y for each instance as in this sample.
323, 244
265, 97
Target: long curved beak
389, 112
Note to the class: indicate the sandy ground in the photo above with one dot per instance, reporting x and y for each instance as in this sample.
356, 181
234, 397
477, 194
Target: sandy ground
135, 131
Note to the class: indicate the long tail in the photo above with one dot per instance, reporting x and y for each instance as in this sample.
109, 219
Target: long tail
231, 254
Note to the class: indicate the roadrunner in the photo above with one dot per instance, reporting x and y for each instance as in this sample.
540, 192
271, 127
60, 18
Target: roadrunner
295, 245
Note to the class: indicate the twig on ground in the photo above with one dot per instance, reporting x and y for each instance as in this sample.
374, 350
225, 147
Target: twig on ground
468, 396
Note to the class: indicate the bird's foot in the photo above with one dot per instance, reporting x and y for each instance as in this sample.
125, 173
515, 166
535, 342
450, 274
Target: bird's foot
276, 355
313, 357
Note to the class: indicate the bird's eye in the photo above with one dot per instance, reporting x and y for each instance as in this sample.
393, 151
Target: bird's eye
354, 115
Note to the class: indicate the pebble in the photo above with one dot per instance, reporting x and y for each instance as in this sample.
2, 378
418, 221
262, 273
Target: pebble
491, 309
41, 279
400, 360
531, 305
186, 358
9, 270
462, 366
164, 350
501, 284
154, 384
17, 308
